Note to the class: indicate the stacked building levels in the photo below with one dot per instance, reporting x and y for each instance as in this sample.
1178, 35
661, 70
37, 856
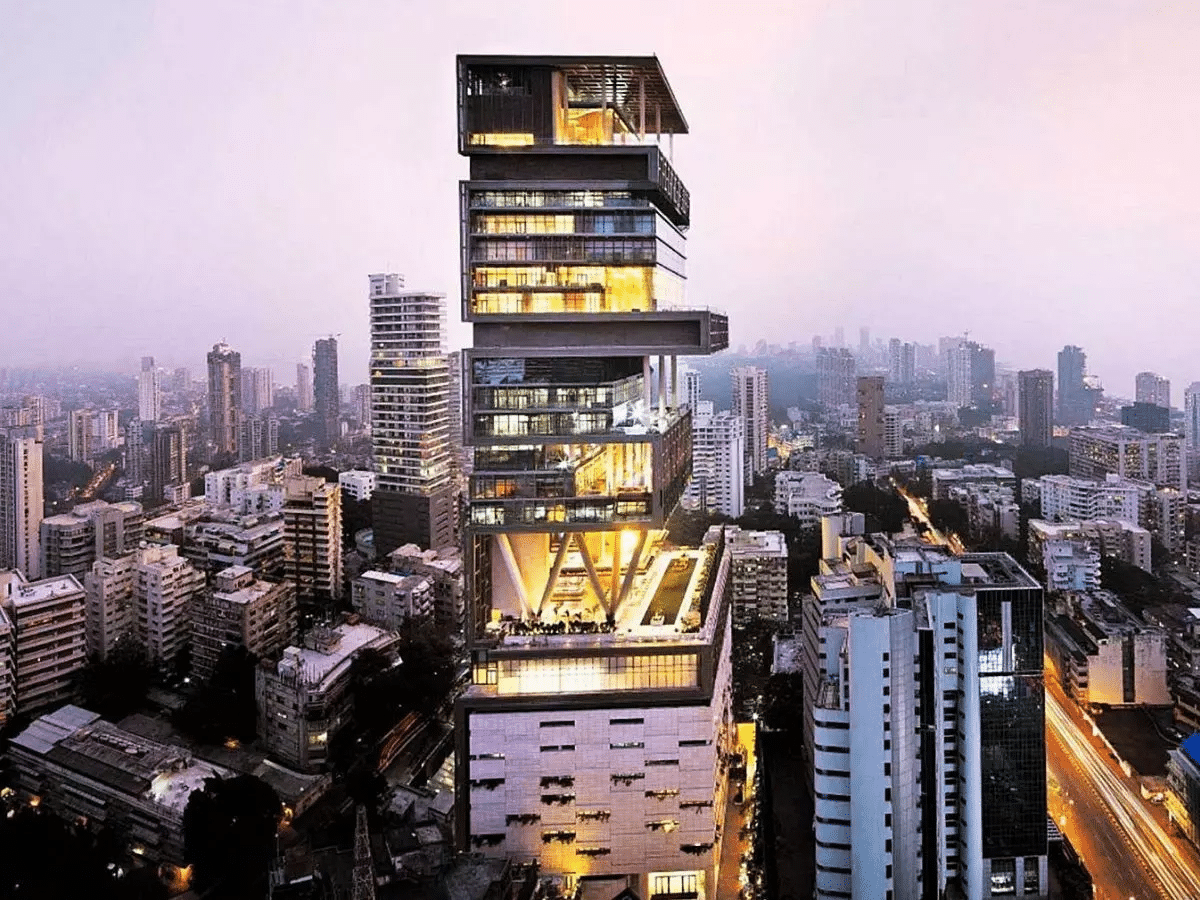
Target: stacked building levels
387, 599
42, 630
304, 697
835, 377
1104, 655
312, 538
444, 569
21, 499
410, 417
924, 722
871, 429
759, 573
1070, 565
86, 769
327, 392
1036, 407
1152, 388
91, 432
165, 585
109, 612
252, 486
304, 388
1118, 538
944, 479
1119, 450
718, 482
750, 399
224, 399
72, 541
241, 611
594, 734
149, 391
1160, 510
807, 496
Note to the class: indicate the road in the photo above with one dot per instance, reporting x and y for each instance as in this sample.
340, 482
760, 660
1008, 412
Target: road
1083, 774
918, 509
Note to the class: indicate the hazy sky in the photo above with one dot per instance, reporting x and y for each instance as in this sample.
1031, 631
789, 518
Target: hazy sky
173, 173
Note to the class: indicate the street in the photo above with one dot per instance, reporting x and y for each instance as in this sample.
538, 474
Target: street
918, 509
1108, 822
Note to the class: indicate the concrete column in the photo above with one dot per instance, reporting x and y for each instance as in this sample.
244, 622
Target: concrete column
646, 385
675, 382
642, 108
662, 387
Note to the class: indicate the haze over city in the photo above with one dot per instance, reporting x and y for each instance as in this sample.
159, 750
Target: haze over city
174, 174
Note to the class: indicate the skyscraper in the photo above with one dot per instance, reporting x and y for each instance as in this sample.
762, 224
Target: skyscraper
304, 388
1150, 387
224, 399
258, 391
870, 416
149, 392
21, 500
751, 403
413, 502
718, 459
835, 378
592, 737
1036, 402
326, 391
1191, 417
1074, 400
168, 459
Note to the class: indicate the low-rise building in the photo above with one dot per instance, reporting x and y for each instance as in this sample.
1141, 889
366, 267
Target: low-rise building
1117, 538
243, 611
84, 768
1071, 565
304, 697
72, 541
977, 473
807, 496
254, 541
358, 484
444, 568
253, 486
1106, 656
48, 645
387, 599
758, 570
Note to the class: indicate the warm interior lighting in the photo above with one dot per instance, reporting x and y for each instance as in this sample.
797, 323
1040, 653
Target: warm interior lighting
501, 140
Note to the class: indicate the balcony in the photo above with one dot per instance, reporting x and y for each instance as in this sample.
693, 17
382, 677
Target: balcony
578, 512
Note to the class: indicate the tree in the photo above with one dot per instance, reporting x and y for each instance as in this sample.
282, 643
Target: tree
948, 516
224, 707
116, 686
356, 515
885, 510
783, 702
229, 829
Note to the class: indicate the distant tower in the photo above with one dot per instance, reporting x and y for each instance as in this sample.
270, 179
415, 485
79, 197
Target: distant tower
149, 392
304, 388
410, 418
1073, 397
1150, 387
326, 396
1191, 417
21, 500
1036, 407
691, 387
224, 399
870, 416
364, 867
750, 403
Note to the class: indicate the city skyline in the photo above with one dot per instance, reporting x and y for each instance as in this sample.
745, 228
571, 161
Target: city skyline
943, 161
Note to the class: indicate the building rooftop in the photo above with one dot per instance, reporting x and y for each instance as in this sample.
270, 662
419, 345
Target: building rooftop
755, 543
26, 593
318, 664
995, 570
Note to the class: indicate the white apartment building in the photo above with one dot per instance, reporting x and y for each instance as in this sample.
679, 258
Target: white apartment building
166, 585
22, 503
91, 432
149, 391
241, 486
972, 473
47, 622
751, 403
387, 599
893, 433
759, 572
358, 484
1126, 541
1065, 498
1119, 450
1071, 565
241, 610
807, 496
1191, 416
72, 541
304, 699
691, 387
312, 538
109, 589
444, 569
718, 482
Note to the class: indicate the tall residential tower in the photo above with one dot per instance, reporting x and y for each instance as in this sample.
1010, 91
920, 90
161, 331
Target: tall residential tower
326, 392
751, 404
593, 735
224, 399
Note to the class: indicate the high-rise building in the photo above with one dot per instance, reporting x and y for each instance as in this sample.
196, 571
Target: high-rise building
47, 619
224, 399
312, 536
751, 403
924, 721
109, 589
835, 378
870, 416
304, 387
149, 392
167, 459
1191, 417
718, 484
21, 500
326, 391
893, 433
1146, 417
72, 541
1150, 387
902, 361
91, 432
758, 570
592, 737
1119, 450
241, 611
258, 391
165, 584
691, 387
259, 436
1075, 402
971, 375
410, 429
1036, 401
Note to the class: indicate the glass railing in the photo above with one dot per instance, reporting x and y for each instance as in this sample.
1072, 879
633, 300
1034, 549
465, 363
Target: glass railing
632, 507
